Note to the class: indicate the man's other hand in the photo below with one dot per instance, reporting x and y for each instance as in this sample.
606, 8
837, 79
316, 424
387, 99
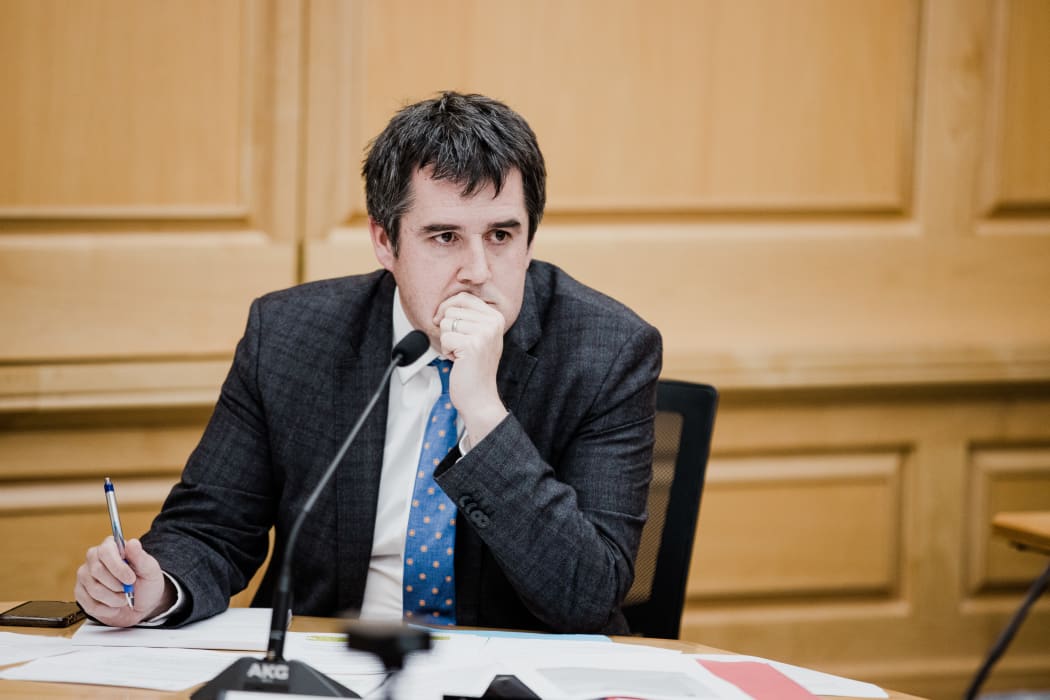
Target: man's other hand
100, 584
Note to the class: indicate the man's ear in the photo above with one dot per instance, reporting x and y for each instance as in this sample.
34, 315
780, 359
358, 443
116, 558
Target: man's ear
384, 248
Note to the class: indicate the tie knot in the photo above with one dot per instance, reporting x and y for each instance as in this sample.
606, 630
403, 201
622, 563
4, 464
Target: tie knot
443, 368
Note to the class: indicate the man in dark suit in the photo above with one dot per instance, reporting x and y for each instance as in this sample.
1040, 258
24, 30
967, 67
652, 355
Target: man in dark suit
546, 388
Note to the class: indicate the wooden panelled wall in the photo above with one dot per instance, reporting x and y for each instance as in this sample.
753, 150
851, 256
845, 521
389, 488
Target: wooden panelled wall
837, 211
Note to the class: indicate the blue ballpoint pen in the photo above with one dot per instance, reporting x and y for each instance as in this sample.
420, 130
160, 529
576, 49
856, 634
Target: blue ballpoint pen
118, 536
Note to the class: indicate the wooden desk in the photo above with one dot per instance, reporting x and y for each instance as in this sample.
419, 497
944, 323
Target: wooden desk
64, 691
1025, 529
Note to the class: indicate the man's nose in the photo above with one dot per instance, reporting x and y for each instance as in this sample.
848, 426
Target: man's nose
474, 268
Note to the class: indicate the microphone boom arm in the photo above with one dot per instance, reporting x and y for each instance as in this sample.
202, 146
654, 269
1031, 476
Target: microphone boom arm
282, 597
272, 673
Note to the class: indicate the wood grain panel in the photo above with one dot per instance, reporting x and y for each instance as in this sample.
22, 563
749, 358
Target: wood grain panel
1017, 149
1004, 479
99, 277
747, 305
124, 296
72, 453
785, 525
333, 140
668, 105
43, 387
122, 104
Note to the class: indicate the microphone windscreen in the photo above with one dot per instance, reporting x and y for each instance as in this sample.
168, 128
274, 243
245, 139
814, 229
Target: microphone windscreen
410, 348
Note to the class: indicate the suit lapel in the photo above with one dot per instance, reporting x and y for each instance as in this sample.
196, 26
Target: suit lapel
357, 480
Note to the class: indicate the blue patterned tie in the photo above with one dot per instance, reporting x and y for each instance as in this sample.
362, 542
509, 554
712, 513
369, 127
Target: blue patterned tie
430, 586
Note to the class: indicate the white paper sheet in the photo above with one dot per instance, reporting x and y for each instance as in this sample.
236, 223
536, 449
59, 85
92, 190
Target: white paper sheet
816, 682
329, 654
15, 648
245, 629
510, 648
650, 676
363, 672
157, 669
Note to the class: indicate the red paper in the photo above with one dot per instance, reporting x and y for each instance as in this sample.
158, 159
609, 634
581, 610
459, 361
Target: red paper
760, 681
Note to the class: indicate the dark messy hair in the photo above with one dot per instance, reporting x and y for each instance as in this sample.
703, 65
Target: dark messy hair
471, 140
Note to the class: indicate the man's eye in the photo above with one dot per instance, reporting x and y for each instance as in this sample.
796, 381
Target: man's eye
500, 236
445, 237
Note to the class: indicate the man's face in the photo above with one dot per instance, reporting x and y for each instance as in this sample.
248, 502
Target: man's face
450, 244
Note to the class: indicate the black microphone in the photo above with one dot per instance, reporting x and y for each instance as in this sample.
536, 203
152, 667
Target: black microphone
273, 673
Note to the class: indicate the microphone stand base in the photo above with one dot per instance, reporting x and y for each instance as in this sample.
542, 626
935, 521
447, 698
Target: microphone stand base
260, 675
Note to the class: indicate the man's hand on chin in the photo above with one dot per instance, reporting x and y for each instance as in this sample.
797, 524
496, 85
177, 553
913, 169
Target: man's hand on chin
472, 337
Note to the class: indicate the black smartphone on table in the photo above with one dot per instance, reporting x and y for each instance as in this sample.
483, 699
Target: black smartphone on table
42, 613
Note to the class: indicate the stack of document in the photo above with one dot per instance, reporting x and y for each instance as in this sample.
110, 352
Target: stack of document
460, 662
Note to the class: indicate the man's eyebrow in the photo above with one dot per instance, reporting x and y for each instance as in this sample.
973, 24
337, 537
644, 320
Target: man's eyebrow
440, 228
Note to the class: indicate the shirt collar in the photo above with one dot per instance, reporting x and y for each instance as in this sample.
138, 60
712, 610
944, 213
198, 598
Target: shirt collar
403, 327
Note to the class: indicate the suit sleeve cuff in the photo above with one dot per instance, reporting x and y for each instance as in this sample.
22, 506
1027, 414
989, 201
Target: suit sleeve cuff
464, 444
180, 598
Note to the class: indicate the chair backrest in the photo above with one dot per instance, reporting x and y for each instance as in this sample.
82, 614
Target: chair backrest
685, 420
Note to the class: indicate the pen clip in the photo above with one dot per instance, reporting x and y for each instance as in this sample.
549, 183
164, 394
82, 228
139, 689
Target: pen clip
114, 516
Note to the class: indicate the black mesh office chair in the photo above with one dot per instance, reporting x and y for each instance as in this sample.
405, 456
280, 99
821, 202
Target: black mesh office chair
685, 420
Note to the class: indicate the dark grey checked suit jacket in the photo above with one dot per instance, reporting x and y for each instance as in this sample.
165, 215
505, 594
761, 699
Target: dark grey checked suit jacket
551, 503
